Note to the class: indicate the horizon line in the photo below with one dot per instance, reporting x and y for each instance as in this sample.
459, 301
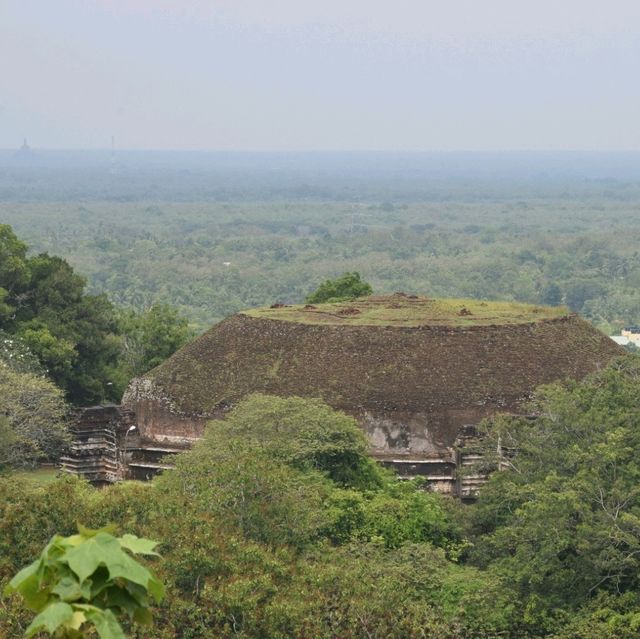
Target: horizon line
315, 151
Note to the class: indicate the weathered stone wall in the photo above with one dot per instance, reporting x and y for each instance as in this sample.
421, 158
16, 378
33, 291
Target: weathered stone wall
158, 418
416, 434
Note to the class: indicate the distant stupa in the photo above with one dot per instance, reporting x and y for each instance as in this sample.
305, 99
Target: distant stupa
25, 152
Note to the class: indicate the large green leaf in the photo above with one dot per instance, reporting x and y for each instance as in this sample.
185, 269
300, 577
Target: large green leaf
138, 545
99, 580
28, 583
21, 577
116, 597
156, 588
85, 558
91, 532
124, 566
143, 616
50, 619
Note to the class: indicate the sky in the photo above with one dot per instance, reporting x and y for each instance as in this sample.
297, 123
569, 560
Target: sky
297, 75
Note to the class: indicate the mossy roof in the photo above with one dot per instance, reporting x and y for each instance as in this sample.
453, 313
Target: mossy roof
411, 311
493, 358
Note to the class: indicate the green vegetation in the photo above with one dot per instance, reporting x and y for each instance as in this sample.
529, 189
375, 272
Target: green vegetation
562, 523
88, 579
346, 287
303, 433
214, 250
403, 310
32, 419
85, 345
37, 476
150, 337
275, 526
44, 304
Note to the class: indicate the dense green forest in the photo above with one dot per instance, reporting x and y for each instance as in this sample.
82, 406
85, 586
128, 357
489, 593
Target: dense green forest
278, 525
211, 239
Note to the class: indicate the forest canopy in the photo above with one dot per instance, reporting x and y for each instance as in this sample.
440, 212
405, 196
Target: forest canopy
82, 342
212, 250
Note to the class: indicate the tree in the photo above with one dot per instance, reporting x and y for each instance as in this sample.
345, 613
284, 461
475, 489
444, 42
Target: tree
15, 353
303, 433
551, 294
73, 335
578, 291
33, 413
562, 520
150, 337
88, 579
346, 287
13, 270
248, 492
14, 450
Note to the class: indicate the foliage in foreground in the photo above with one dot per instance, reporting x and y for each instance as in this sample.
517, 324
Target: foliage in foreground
266, 541
88, 579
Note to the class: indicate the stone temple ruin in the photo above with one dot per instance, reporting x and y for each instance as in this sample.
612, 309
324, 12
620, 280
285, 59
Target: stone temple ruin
417, 374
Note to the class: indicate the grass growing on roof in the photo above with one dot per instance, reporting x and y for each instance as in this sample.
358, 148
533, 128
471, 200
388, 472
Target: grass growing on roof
404, 310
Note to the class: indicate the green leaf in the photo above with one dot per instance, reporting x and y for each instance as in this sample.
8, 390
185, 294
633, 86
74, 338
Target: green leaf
51, 618
77, 620
21, 577
28, 583
156, 588
68, 589
85, 558
99, 580
138, 574
106, 624
138, 545
116, 597
127, 568
90, 532
138, 592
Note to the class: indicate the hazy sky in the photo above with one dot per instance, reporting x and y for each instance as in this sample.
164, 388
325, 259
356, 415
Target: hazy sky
322, 74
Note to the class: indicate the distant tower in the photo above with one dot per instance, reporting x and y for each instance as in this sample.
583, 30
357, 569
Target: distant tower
24, 152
